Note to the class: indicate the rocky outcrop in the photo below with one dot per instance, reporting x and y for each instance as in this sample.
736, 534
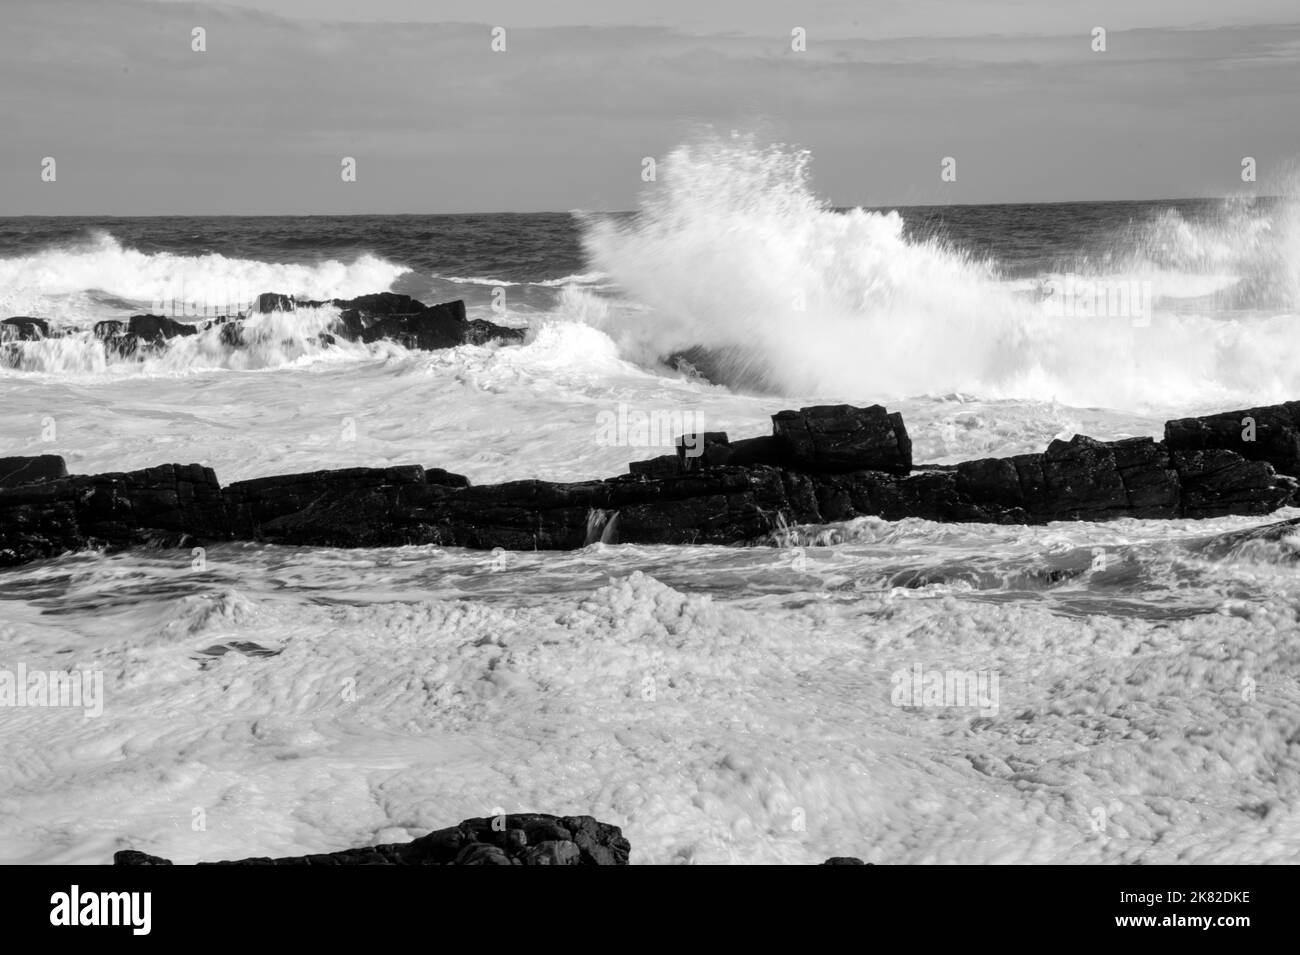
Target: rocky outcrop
42, 467
23, 329
840, 439
515, 839
169, 505
402, 319
712, 491
369, 318
141, 333
1270, 434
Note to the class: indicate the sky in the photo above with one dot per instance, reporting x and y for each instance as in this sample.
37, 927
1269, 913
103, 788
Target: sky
139, 123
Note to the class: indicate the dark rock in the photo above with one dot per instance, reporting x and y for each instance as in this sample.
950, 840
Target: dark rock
1082, 482
445, 478
481, 332
516, 839
44, 512
1276, 435
555, 852
1216, 483
1151, 483
232, 334
666, 465
835, 439
24, 329
931, 495
141, 333
152, 329
479, 854
38, 521
42, 467
598, 843
845, 860
992, 480
766, 450
274, 302
167, 503
369, 318
714, 506
693, 450
132, 857
410, 323
382, 303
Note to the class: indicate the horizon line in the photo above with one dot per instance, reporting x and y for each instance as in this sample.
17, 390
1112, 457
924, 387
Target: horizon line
575, 212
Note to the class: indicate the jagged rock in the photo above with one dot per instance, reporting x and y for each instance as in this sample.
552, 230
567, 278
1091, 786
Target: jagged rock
38, 521
693, 452
26, 470
274, 302
995, 481
165, 505
1275, 436
141, 332
703, 449
132, 857
836, 439
666, 465
232, 334
1081, 482
1150, 482
515, 839
20, 328
412, 324
161, 505
554, 852
713, 499
748, 452
369, 318
1216, 483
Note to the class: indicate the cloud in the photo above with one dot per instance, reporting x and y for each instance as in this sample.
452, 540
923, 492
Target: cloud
437, 121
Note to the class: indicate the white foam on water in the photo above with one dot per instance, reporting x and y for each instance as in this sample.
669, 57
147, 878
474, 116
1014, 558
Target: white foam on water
721, 704
732, 250
53, 282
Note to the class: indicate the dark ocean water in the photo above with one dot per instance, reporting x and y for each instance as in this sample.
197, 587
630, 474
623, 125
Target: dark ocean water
466, 256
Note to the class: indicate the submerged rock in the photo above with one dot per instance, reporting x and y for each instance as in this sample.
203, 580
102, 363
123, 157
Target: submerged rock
141, 333
369, 318
24, 329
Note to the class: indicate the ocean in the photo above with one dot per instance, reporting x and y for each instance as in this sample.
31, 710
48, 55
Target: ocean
721, 704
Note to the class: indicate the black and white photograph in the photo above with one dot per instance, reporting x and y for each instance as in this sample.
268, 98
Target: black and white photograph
506, 432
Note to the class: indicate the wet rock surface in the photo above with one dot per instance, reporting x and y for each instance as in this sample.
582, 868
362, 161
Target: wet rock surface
514, 839
712, 491
368, 318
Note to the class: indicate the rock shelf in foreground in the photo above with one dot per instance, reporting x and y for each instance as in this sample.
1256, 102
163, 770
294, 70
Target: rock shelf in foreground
516, 839
820, 465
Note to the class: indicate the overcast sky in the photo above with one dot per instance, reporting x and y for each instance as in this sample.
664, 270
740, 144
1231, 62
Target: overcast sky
139, 124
